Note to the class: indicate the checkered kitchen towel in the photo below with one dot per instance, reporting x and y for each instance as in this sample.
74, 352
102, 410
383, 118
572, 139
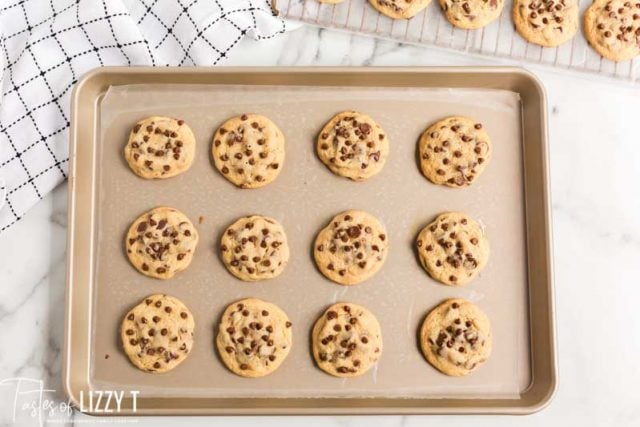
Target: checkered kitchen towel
47, 45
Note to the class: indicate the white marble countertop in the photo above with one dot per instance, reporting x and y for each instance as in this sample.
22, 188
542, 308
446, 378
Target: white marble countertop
595, 168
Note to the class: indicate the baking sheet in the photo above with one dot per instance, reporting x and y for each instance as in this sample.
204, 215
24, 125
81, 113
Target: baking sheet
304, 198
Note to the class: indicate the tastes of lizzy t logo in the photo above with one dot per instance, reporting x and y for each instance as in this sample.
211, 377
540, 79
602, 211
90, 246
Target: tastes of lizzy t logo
22, 398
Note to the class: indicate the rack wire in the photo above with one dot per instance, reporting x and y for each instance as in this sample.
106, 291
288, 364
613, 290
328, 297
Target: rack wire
430, 28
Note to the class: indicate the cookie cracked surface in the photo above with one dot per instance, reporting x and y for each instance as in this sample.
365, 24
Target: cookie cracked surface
353, 145
612, 28
399, 9
548, 23
471, 14
255, 248
346, 340
453, 249
454, 151
161, 242
248, 150
455, 337
254, 337
352, 248
160, 147
157, 334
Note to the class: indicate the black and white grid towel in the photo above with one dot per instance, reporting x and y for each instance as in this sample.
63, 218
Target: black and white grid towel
47, 45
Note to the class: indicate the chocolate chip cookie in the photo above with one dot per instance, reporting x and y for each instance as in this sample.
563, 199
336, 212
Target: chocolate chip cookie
548, 23
612, 28
161, 242
399, 9
453, 248
471, 14
353, 145
160, 147
254, 337
352, 248
454, 151
248, 150
456, 337
157, 334
255, 248
346, 340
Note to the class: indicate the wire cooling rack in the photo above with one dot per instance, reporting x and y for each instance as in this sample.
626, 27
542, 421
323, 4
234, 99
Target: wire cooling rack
430, 28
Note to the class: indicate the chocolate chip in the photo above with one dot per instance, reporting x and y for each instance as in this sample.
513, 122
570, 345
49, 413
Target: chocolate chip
353, 232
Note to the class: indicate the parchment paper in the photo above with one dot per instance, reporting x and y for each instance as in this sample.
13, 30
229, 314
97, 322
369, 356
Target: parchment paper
304, 198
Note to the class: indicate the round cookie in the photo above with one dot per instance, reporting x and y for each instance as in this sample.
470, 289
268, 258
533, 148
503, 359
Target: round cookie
255, 248
160, 147
254, 337
157, 334
612, 28
330, 1
353, 145
161, 242
248, 150
399, 9
454, 151
456, 337
346, 340
453, 248
471, 14
352, 248
548, 23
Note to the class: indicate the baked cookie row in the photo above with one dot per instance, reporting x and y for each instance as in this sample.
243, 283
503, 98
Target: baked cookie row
254, 337
248, 150
612, 27
352, 247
